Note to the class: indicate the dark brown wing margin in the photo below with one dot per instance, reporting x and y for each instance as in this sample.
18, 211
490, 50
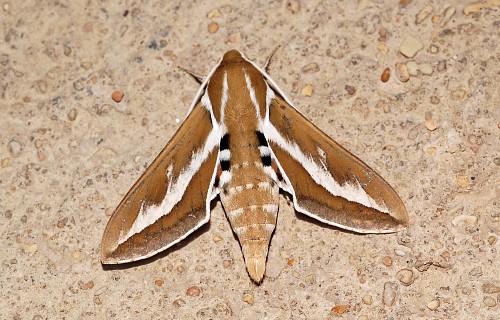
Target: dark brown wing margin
150, 190
314, 199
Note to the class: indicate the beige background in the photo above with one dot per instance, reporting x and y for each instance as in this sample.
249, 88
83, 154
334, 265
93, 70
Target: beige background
69, 154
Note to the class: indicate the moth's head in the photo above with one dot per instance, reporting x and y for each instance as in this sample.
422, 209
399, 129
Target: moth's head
232, 56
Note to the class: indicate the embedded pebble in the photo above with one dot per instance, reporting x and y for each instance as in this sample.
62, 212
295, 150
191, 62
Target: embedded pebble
425, 68
461, 180
402, 72
435, 100
433, 49
310, 279
108, 211
293, 6
430, 124
448, 13
61, 223
41, 86
308, 90
234, 37
213, 27
387, 261
217, 238
410, 46
66, 50
350, 90
414, 132
193, 291
367, 299
365, 4
464, 219
424, 13
412, 67
159, 282
386, 74
489, 301
5, 162
458, 94
72, 114
30, 249
441, 65
490, 288
492, 240
433, 305
15, 148
117, 96
476, 7
405, 276
178, 303
213, 13
311, 68
78, 85
77, 255
153, 126
86, 285
389, 294
248, 297
41, 155
400, 252
428, 115
431, 151
86, 65
382, 47
340, 309
476, 272
404, 3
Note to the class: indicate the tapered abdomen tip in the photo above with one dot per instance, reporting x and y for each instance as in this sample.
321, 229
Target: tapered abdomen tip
256, 268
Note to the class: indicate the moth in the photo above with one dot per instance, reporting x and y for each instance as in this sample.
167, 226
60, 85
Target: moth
243, 140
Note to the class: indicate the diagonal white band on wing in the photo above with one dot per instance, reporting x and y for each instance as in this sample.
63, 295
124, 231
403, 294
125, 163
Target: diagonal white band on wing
351, 192
150, 214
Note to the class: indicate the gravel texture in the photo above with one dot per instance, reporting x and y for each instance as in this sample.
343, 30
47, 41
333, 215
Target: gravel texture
90, 92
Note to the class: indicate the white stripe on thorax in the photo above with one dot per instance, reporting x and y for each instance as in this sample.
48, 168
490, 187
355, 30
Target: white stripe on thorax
251, 91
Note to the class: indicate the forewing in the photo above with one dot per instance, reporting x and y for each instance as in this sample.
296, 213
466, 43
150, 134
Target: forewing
328, 182
171, 199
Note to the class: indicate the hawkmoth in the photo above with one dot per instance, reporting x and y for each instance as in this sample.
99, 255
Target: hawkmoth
243, 140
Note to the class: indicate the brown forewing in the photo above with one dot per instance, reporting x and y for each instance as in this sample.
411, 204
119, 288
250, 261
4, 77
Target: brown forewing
151, 188
343, 166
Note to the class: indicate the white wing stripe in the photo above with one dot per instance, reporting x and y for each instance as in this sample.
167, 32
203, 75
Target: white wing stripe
351, 192
148, 216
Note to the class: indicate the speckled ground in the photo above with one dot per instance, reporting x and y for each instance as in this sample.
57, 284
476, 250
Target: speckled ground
69, 153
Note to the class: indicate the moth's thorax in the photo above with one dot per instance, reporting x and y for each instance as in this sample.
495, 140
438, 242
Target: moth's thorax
237, 90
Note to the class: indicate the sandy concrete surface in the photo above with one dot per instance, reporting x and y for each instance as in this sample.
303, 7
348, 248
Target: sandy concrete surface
69, 153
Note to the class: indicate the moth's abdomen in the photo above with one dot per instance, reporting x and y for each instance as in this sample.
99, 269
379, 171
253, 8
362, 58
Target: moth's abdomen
250, 199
